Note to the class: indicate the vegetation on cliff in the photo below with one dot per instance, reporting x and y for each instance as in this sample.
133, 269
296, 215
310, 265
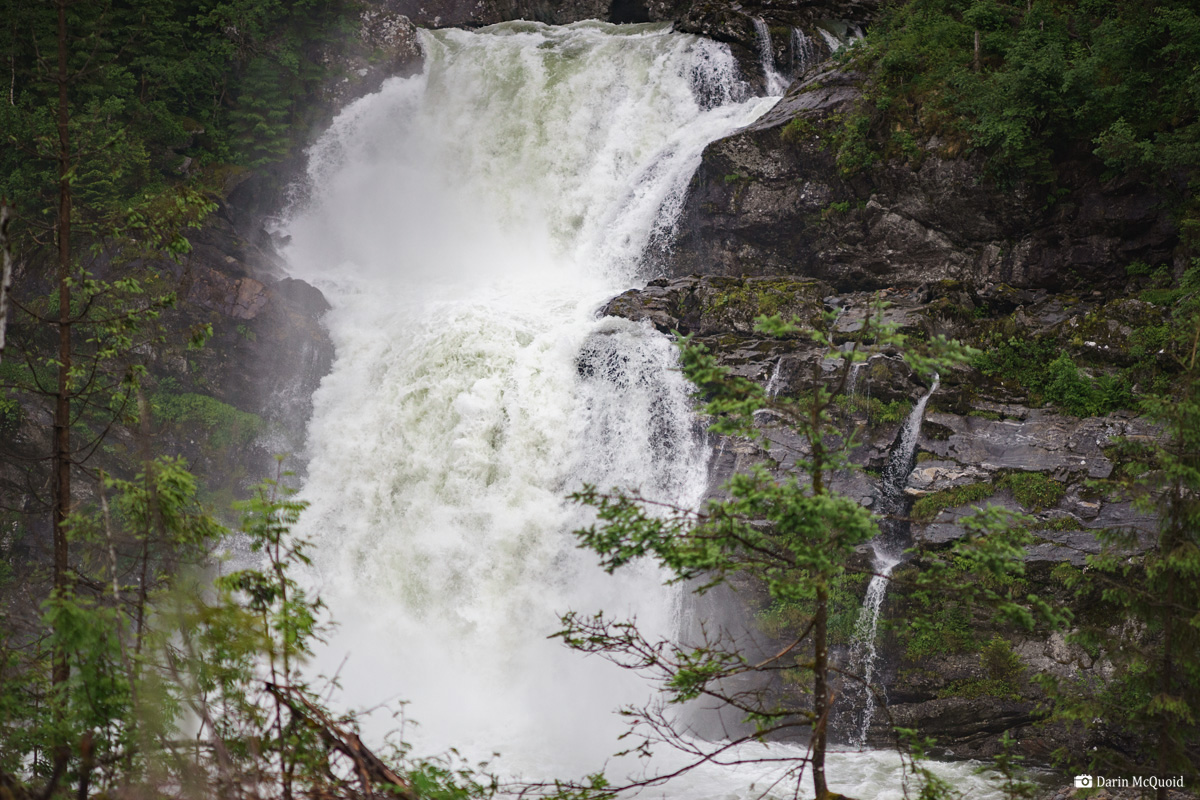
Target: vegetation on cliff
1038, 84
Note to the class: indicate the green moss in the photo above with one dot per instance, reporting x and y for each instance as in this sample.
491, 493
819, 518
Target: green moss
928, 507
800, 129
223, 424
944, 631
1002, 668
877, 411
754, 298
974, 688
1051, 375
853, 145
1034, 490
1057, 524
783, 619
10, 414
1066, 574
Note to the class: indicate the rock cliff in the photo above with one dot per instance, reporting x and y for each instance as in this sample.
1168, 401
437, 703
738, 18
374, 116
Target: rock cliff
772, 199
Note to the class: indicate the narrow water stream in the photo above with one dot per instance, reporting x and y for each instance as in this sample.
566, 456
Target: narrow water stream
859, 700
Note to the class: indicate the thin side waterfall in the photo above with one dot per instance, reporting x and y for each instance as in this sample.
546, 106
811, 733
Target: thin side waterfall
776, 83
804, 52
831, 41
775, 382
888, 546
852, 379
839, 33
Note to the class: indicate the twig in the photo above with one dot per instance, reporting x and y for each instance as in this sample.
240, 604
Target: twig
6, 277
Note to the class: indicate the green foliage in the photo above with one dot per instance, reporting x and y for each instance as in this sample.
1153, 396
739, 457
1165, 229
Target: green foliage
222, 424
983, 571
798, 129
1034, 490
754, 298
1050, 375
926, 508
1149, 633
141, 531
10, 415
151, 83
156, 645
854, 148
999, 661
945, 628
783, 617
1052, 77
878, 412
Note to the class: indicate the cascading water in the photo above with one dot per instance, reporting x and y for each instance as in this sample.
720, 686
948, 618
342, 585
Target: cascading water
804, 52
775, 382
888, 546
464, 224
776, 84
839, 33
852, 378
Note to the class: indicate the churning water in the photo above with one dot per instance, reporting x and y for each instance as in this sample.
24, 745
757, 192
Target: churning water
465, 224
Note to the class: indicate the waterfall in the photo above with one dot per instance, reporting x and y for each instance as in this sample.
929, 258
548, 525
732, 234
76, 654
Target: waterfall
804, 52
852, 378
888, 547
900, 463
831, 41
776, 85
465, 223
775, 382
839, 33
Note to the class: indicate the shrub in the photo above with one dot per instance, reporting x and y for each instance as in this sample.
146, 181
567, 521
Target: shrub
1034, 490
929, 506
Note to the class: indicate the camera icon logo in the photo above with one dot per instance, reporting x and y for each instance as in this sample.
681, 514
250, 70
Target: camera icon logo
1083, 782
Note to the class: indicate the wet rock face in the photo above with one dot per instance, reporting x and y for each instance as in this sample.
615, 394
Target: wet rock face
386, 45
269, 350
978, 433
771, 199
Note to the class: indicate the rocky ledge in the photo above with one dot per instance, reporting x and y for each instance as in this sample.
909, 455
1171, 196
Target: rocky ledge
984, 439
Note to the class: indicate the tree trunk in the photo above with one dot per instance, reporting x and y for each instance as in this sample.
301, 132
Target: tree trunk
820, 692
61, 462
6, 274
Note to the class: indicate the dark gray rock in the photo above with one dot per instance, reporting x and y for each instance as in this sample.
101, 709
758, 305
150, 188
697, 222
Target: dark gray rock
771, 199
386, 45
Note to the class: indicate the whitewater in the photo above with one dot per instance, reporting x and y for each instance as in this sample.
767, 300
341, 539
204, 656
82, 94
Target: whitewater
466, 224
